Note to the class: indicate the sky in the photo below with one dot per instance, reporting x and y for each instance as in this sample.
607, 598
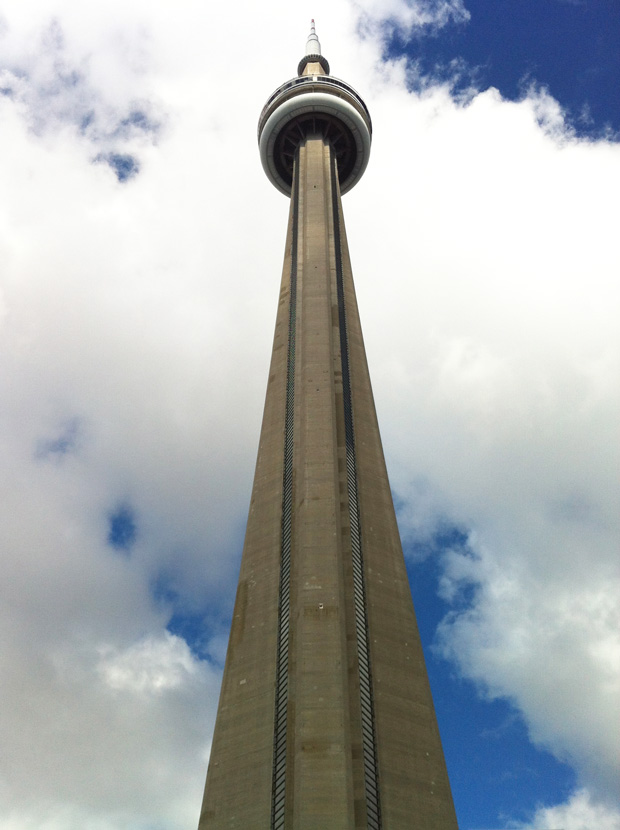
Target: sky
140, 255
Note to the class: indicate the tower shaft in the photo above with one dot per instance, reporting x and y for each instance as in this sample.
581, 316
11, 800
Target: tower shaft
325, 718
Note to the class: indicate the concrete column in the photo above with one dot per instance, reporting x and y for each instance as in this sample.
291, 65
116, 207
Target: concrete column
359, 747
322, 789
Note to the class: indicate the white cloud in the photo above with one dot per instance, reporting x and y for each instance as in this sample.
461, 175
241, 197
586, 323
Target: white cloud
497, 387
409, 16
579, 813
151, 666
135, 330
496, 381
531, 636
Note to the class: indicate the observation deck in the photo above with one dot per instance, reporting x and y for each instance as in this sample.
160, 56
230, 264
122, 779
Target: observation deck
311, 105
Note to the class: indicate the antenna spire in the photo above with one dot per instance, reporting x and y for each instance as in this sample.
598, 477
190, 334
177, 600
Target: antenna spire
313, 47
313, 62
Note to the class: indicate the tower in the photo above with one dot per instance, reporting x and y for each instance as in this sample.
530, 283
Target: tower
325, 717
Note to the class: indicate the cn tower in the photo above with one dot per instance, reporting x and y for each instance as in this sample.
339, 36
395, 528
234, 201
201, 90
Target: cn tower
325, 719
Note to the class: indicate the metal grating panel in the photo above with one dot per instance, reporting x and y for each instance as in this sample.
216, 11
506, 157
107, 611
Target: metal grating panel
280, 729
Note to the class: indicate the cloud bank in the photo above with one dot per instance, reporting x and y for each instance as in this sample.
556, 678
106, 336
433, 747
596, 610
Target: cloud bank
140, 252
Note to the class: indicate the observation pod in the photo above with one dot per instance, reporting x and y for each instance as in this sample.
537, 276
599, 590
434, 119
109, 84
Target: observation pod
314, 103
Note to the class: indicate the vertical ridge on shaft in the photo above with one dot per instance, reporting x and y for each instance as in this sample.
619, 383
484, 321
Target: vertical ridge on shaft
281, 696
373, 807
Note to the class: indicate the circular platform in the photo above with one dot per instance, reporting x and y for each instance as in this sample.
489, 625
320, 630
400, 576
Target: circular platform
308, 105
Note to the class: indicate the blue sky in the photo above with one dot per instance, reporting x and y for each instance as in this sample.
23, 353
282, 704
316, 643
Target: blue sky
571, 48
135, 335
